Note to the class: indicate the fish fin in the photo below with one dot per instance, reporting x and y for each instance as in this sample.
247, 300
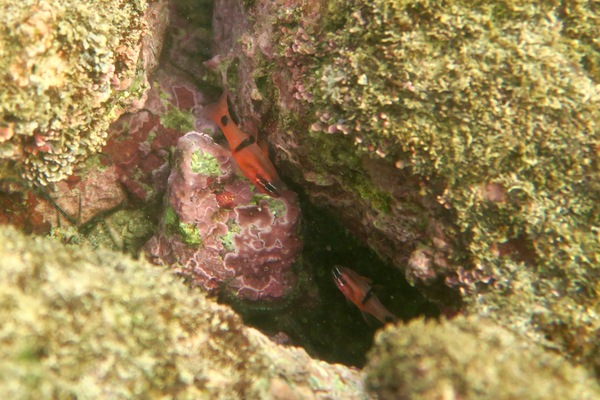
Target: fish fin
265, 149
370, 319
218, 110
368, 280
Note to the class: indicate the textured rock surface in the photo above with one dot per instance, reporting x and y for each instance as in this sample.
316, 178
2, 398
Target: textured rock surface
459, 140
219, 233
82, 323
69, 69
469, 359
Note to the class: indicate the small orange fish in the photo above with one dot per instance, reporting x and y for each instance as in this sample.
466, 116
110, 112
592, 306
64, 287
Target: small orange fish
253, 162
357, 289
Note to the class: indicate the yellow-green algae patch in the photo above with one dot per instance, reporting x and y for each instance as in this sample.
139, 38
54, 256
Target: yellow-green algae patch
205, 164
82, 323
188, 232
469, 358
68, 68
182, 121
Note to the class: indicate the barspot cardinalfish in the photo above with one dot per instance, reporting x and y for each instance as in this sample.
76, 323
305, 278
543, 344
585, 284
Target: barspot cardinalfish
251, 159
358, 290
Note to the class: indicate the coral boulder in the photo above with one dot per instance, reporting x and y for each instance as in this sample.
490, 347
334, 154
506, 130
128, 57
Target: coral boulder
218, 232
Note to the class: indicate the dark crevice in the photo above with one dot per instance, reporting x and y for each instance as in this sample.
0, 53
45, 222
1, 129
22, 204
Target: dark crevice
319, 318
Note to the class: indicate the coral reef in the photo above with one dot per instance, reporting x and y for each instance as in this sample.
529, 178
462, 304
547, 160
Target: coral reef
469, 358
69, 69
81, 323
218, 232
132, 169
460, 141
140, 143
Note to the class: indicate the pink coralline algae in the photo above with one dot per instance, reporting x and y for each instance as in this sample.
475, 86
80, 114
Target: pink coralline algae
222, 235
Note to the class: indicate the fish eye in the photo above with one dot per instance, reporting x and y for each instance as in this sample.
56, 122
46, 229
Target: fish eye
224, 120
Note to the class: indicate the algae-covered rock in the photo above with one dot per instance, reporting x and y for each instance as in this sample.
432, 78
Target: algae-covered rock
78, 323
68, 69
220, 234
469, 359
459, 140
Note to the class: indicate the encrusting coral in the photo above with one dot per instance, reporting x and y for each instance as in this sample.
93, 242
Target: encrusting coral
221, 234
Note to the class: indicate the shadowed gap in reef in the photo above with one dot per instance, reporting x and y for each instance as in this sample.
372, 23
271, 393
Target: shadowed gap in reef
319, 318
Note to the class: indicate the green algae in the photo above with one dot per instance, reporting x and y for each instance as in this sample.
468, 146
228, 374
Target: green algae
205, 164
228, 240
175, 118
119, 230
276, 206
170, 218
124, 230
188, 233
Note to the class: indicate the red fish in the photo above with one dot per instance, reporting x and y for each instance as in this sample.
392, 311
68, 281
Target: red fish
357, 289
253, 162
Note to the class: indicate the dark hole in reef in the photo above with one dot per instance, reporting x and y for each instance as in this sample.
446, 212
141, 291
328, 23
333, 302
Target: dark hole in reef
319, 318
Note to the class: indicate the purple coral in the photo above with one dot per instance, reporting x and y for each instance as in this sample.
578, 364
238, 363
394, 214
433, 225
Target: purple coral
219, 233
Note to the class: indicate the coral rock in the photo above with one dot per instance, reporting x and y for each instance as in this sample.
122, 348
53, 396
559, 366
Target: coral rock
219, 233
95, 323
70, 68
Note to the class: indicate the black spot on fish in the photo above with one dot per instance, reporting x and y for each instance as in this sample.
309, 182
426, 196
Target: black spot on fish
224, 120
367, 297
245, 143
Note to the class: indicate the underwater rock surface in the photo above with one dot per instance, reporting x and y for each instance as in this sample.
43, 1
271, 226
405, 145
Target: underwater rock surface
219, 232
469, 358
94, 323
460, 141
70, 68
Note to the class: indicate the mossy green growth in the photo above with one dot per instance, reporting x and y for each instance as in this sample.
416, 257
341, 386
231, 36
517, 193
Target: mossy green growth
469, 358
180, 120
63, 61
228, 241
169, 218
276, 206
339, 156
205, 164
468, 95
188, 233
124, 230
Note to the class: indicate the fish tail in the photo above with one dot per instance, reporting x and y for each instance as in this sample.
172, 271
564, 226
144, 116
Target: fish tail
380, 312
